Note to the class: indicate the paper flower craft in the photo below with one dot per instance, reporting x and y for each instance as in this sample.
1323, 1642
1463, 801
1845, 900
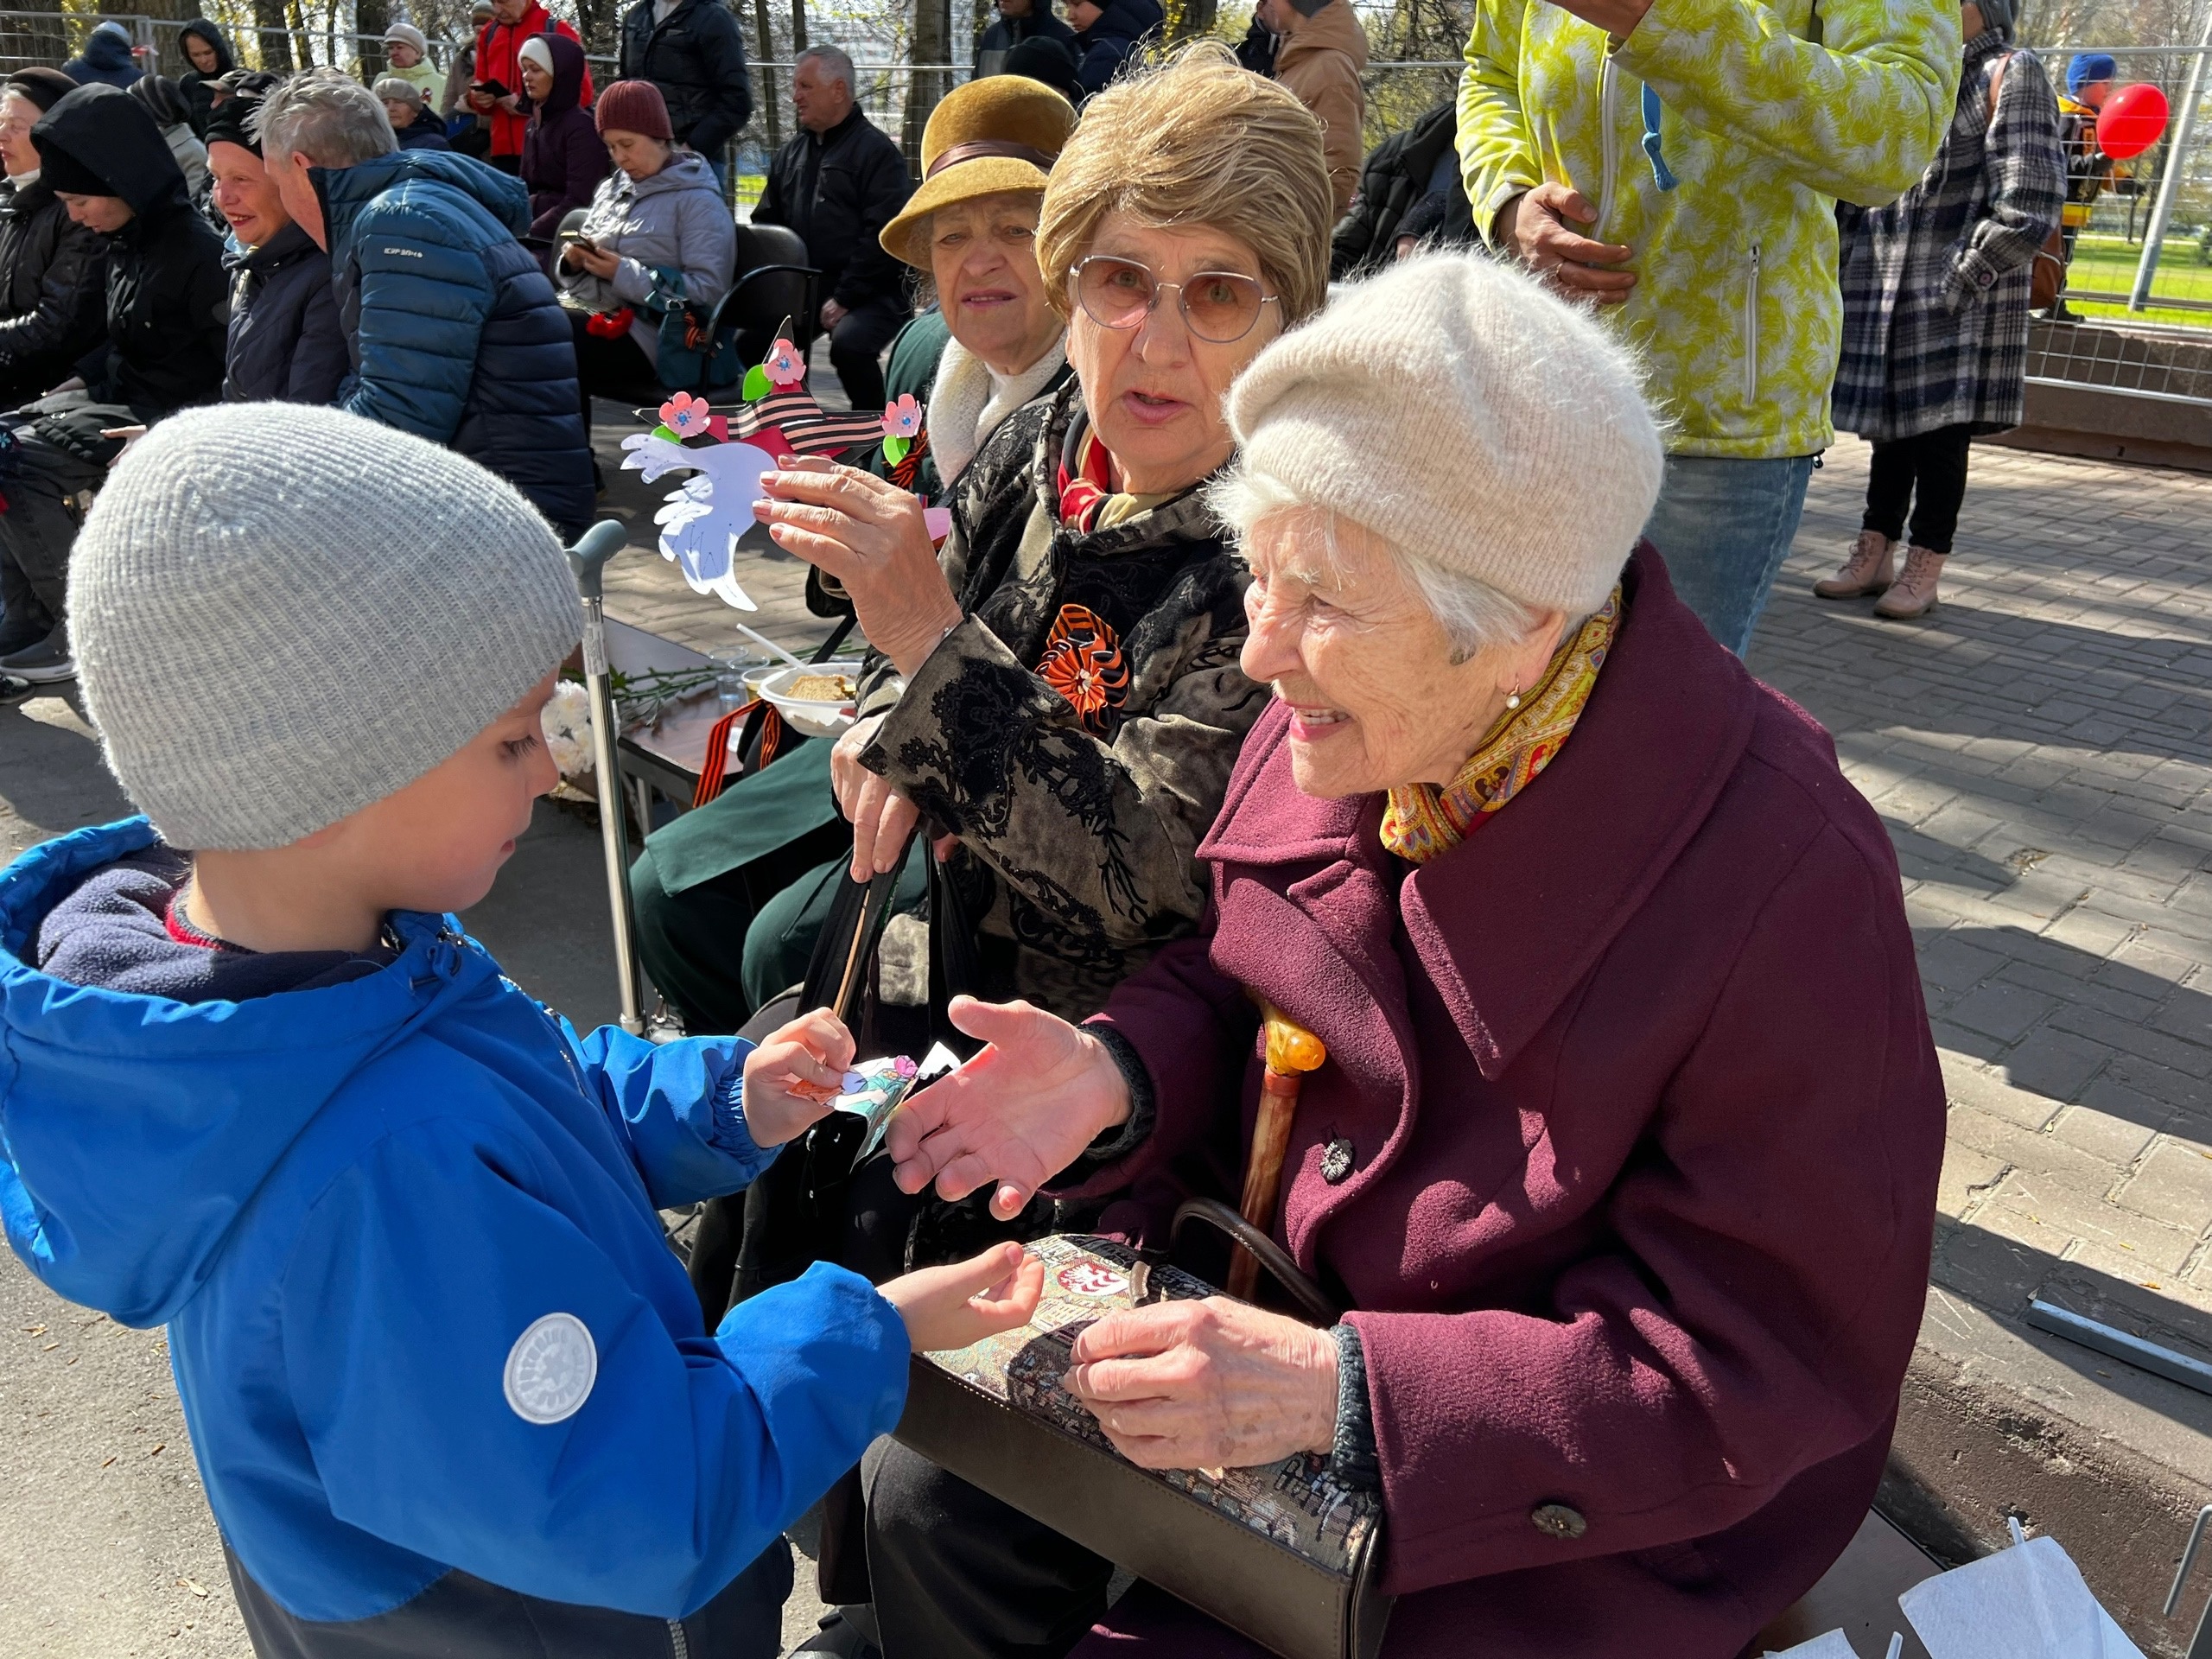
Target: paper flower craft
902, 419
706, 514
686, 415
784, 365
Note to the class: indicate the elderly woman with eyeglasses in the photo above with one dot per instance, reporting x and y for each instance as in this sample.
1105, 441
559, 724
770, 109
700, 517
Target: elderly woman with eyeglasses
1057, 693
1622, 1157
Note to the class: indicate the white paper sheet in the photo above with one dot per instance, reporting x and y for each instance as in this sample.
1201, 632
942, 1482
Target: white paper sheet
2027, 1602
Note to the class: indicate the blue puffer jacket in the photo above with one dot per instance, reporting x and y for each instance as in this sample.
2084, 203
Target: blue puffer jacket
456, 336
441, 1369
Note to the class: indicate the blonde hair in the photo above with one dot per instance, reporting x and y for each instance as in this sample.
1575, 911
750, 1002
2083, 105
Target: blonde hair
1196, 139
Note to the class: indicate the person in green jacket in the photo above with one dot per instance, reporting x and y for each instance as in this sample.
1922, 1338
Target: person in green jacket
1678, 162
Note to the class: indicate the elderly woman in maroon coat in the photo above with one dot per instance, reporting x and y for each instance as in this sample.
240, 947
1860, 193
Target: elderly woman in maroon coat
1624, 1152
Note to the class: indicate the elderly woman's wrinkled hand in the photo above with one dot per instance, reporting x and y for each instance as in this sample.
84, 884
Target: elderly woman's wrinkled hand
1018, 1114
1210, 1384
870, 535
881, 817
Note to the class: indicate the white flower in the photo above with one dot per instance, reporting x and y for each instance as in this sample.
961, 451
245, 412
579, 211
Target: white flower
567, 722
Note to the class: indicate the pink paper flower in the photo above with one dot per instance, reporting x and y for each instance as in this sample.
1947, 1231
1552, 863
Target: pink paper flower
686, 415
904, 1066
902, 419
784, 367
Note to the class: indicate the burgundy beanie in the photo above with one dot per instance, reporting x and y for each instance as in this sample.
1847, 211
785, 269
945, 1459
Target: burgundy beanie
44, 88
633, 106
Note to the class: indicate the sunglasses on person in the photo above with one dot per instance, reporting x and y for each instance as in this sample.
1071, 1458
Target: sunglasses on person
1220, 306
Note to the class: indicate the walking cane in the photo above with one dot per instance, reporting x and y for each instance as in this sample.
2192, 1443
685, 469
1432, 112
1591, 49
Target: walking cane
588, 559
1293, 1051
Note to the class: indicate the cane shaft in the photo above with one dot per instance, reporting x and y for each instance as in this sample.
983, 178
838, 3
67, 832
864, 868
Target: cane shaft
614, 841
1263, 1171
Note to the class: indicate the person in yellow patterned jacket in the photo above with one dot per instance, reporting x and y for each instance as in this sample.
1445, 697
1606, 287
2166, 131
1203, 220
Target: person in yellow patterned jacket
1679, 161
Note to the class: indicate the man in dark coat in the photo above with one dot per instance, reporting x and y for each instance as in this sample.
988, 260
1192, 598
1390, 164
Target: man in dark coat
107, 58
693, 51
454, 331
838, 182
100, 152
1018, 20
53, 270
286, 343
1401, 174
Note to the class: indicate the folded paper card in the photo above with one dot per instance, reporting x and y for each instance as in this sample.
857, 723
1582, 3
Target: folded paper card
2027, 1602
874, 1089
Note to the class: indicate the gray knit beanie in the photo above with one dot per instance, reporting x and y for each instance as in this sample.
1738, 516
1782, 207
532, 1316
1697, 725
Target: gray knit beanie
282, 614
1467, 415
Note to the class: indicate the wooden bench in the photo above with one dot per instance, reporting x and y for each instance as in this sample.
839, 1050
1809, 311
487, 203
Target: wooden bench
1859, 1596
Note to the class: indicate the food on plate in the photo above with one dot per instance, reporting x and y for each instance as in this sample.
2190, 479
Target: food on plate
822, 687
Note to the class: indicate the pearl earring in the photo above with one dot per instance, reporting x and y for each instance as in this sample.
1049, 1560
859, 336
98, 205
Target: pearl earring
1513, 700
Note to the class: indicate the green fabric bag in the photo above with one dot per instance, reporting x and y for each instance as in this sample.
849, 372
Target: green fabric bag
783, 801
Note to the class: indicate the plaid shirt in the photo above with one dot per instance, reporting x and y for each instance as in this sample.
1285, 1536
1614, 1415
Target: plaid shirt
1936, 284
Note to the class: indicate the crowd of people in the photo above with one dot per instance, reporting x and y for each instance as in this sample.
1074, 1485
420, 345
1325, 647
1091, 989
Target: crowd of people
1317, 524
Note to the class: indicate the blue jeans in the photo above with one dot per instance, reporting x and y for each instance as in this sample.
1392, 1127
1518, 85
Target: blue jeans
1724, 526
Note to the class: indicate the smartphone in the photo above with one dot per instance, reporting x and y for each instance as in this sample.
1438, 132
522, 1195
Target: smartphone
490, 88
580, 239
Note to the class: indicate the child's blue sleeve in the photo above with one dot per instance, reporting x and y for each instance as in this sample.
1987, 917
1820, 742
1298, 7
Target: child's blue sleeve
480, 1382
681, 1106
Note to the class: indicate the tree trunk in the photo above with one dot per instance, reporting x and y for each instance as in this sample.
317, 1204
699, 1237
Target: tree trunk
799, 27
1192, 20
370, 20
932, 47
769, 102
273, 36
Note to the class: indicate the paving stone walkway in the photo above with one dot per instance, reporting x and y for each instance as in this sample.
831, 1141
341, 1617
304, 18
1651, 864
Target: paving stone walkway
2041, 749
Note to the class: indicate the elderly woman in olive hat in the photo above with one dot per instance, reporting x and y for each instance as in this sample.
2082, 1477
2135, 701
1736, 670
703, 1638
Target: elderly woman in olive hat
992, 343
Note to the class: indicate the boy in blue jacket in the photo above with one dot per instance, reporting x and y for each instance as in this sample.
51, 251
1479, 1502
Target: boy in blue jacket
448, 1389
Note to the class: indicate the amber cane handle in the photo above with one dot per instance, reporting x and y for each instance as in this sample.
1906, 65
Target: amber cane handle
1292, 1052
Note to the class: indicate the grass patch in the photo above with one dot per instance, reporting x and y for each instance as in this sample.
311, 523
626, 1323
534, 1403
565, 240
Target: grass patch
2107, 264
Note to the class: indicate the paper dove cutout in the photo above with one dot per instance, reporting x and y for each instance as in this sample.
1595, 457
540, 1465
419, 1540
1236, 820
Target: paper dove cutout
706, 513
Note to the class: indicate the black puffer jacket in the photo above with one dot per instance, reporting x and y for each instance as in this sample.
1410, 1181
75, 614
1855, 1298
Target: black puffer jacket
1006, 33
838, 189
167, 303
53, 291
698, 60
1395, 177
286, 344
199, 89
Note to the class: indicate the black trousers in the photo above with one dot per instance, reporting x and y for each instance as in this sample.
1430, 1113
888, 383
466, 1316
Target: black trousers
1926, 472
40, 526
856, 346
959, 1575
608, 368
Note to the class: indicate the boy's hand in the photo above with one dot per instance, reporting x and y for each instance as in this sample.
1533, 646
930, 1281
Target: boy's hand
791, 1077
951, 1307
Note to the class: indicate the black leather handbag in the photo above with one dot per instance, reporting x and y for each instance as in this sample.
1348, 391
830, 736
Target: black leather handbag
1282, 1554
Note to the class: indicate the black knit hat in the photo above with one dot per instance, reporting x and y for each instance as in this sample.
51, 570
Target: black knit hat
44, 88
231, 120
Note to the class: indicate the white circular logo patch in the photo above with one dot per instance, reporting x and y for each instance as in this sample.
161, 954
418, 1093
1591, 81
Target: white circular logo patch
550, 1370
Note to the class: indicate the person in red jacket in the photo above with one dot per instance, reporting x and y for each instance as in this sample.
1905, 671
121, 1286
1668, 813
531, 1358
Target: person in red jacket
499, 45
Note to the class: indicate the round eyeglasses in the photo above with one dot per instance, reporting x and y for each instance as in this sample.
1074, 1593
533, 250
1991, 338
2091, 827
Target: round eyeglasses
1217, 306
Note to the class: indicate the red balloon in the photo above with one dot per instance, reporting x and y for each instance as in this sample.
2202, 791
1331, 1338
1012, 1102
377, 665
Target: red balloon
2132, 119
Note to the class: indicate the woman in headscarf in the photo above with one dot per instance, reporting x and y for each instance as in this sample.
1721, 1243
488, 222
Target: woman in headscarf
53, 270
167, 305
1623, 1146
563, 157
1935, 289
207, 60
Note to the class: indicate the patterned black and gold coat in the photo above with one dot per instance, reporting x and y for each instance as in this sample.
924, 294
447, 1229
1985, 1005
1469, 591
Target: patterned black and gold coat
1077, 730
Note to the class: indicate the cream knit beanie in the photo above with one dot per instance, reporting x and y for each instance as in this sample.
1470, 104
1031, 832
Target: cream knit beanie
1458, 409
281, 613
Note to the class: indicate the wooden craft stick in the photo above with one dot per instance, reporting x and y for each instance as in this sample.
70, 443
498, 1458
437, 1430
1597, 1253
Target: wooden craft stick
1293, 1051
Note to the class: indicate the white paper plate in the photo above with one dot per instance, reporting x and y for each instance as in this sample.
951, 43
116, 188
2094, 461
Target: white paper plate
808, 714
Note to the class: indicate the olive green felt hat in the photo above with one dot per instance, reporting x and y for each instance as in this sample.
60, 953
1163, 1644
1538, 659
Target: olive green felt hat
989, 136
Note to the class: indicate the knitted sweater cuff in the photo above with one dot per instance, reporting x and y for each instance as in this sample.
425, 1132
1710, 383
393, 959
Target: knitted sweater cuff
1118, 1143
1354, 1459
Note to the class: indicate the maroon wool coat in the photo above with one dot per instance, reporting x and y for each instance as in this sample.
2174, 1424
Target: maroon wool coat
1645, 1233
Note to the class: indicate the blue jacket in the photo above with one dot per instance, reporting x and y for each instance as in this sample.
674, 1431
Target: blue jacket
106, 59
423, 1319
1118, 34
455, 332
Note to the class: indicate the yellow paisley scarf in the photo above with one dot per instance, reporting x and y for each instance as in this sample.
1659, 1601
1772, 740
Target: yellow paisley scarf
1422, 821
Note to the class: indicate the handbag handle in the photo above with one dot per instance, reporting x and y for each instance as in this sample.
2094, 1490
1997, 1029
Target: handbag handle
1303, 1290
